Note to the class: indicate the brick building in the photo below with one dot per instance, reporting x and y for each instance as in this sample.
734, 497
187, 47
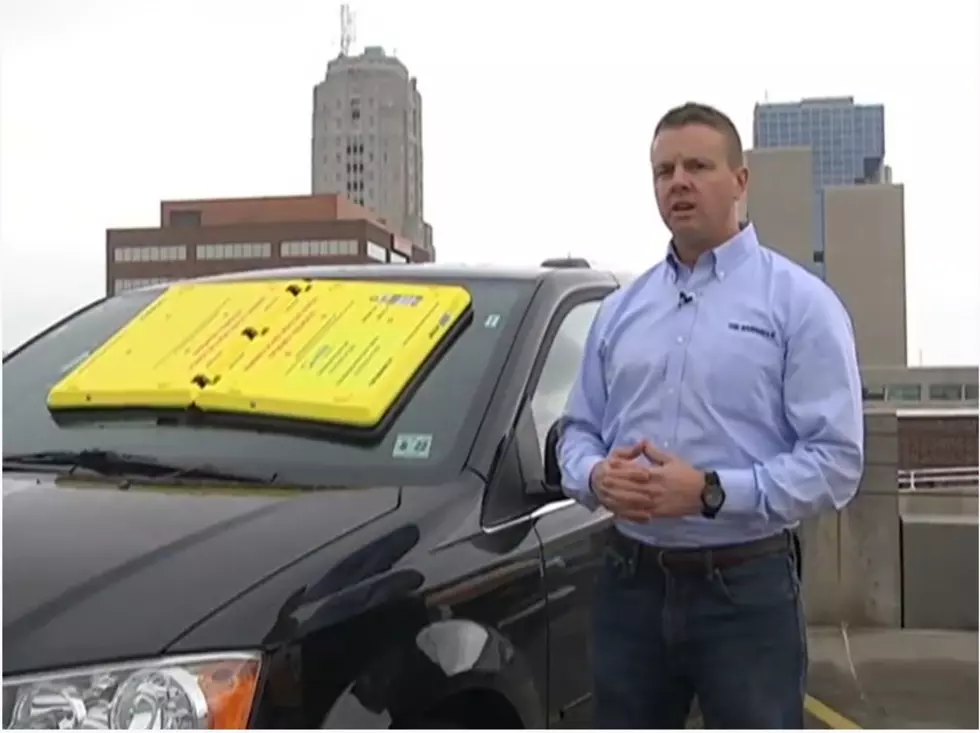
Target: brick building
937, 439
210, 237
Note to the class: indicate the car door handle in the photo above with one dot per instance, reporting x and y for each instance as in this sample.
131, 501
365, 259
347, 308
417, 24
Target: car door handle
551, 507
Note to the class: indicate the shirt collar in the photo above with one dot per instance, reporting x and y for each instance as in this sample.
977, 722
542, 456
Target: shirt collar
725, 257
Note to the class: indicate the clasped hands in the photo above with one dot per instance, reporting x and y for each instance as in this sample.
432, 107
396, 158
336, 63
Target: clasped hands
636, 492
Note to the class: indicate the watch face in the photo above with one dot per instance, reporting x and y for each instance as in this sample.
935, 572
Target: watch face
713, 495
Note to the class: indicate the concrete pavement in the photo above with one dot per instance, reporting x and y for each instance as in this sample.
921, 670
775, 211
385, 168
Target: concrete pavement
893, 679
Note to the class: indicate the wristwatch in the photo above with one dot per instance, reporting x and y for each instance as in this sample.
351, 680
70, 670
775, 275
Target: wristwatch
712, 495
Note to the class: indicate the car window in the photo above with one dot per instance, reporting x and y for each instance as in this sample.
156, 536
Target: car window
561, 367
444, 408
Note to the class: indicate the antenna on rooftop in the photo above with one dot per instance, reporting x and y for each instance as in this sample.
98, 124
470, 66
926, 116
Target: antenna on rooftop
347, 29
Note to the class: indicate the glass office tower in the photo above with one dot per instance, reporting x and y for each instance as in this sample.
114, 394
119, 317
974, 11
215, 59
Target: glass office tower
847, 139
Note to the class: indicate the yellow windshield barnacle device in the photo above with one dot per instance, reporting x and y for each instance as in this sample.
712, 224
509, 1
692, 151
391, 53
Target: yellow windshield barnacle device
333, 352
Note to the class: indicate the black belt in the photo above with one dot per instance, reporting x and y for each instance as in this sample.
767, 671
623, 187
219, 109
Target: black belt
700, 558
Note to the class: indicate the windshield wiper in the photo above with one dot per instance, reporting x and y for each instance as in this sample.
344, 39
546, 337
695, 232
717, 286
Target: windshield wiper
112, 463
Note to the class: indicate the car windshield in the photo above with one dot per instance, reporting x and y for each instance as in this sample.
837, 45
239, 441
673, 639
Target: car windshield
443, 411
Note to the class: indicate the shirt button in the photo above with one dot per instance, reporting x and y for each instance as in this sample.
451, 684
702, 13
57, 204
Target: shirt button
666, 444
680, 339
721, 274
670, 391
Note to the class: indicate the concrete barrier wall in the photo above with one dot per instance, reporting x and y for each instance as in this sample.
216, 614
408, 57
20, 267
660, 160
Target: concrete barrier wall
878, 564
941, 571
852, 559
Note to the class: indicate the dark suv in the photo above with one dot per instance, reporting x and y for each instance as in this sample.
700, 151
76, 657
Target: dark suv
169, 574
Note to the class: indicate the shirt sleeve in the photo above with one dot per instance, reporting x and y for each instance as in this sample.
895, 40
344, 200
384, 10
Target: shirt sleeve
580, 446
824, 406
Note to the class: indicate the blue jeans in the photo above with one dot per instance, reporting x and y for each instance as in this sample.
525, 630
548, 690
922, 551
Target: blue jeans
732, 635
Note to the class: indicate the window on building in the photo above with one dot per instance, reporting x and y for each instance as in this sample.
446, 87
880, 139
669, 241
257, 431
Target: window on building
376, 252
234, 251
153, 253
318, 248
904, 392
872, 394
970, 392
121, 285
946, 392
397, 256
818, 257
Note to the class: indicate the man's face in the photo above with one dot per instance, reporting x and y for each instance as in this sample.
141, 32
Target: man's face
696, 186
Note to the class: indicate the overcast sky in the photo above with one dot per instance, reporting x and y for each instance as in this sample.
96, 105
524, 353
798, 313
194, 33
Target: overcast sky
537, 123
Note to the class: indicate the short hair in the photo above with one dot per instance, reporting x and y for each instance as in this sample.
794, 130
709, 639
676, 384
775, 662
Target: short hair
693, 113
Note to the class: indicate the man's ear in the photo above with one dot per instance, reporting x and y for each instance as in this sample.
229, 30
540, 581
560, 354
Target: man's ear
742, 182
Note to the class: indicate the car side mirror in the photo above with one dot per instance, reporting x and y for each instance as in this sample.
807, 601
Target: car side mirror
552, 471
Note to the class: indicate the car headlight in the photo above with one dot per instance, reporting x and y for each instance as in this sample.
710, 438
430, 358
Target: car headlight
204, 691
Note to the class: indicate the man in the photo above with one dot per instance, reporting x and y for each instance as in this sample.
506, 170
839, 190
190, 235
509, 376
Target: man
717, 405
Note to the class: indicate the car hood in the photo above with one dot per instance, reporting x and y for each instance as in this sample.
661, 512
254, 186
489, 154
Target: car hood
92, 572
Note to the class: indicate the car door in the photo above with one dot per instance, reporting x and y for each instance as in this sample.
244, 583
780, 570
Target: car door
571, 537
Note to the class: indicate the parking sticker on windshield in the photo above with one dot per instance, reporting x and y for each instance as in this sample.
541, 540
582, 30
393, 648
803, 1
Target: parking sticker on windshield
493, 320
412, 445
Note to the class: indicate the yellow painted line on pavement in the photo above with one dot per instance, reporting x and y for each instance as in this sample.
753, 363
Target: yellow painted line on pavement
828, 716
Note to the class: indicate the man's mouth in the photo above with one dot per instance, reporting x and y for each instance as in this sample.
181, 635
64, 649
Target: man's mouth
682, 207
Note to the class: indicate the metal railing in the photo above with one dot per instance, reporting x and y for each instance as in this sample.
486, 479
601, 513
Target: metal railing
959, 480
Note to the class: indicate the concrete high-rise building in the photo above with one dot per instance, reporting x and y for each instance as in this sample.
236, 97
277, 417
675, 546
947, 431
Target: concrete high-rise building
367, 140
863, 257
820, 193
780, 200
847, 141
864, 227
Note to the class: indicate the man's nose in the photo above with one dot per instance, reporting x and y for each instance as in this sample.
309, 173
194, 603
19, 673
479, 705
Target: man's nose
680, 182
678, 178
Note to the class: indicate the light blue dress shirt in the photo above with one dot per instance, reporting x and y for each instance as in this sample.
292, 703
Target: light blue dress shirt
744, 365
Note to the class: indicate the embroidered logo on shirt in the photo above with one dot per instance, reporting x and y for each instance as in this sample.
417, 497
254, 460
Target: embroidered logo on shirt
749, 328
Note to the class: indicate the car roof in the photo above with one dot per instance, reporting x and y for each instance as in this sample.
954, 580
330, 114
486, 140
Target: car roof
417, 271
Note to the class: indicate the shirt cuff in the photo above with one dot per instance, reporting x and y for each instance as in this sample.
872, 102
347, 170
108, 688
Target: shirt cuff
582, 490
741, 491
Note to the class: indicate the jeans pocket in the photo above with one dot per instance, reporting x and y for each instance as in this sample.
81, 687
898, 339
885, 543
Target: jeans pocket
617, 564
763, 581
